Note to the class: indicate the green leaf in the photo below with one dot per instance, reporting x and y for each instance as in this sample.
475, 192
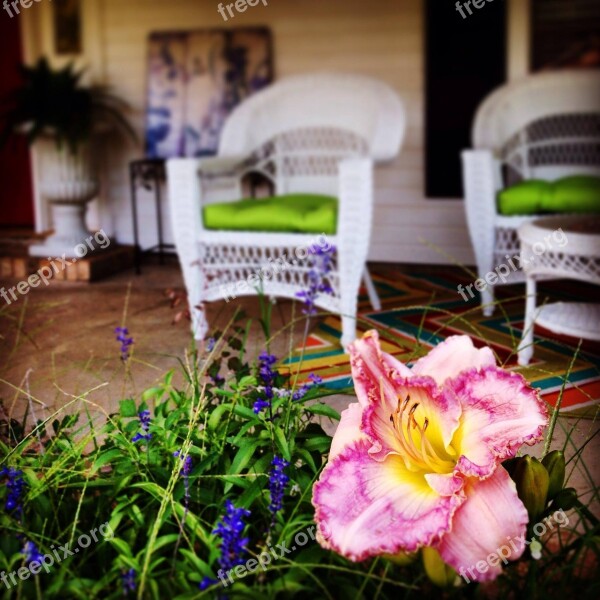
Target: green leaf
152, 488
154, 392
164, 540
320, 443
121, 546
246, 382
241, 459
282, 444
199, 565
217, 415
127, 408
244, 411
105, 458
172, 419
137, 515
324, 410
307, 458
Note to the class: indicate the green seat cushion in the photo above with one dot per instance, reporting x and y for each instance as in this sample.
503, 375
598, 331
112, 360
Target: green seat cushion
305, 213
524, 198
574, 194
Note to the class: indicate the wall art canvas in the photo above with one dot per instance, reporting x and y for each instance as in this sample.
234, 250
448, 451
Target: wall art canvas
195, 80
67, 26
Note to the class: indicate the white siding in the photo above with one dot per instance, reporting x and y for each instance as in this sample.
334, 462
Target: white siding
381, 38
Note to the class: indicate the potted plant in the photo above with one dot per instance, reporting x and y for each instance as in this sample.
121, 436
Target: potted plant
52, 107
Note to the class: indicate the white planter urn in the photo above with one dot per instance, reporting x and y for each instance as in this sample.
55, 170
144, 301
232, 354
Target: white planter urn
68, 183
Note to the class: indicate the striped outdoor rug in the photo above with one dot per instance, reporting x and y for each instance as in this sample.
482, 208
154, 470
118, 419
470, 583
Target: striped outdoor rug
420, 310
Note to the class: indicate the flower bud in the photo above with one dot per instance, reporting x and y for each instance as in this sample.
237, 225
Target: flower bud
565, 499
510, 465
402, 559
437, 570
532, 481
555, 465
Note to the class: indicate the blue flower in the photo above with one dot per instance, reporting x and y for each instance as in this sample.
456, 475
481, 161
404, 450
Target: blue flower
278, 481
314, 380
230, 529
15, 485
144, 417
122, 333
206, 583
31, 552
210, 344
128, 580
186, 469
321, 264
260, 405
266, 376
233, 546
187, 463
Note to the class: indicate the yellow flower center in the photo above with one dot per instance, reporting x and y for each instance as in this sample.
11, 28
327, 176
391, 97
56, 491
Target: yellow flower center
419, 454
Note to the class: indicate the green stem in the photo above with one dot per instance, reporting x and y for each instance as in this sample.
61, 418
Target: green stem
554, 417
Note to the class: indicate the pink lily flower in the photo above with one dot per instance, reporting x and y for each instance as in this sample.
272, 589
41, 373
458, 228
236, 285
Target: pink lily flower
416, 461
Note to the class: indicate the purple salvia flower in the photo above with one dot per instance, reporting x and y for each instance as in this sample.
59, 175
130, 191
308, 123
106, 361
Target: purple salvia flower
15, 485
233, 546
267, 376
31, 552
260, 405
186, 469
314, 380
321, 265
128, 581
206, 583
144, 417
122, 337
278, 481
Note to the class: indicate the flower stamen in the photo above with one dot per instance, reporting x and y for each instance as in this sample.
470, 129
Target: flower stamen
423, 455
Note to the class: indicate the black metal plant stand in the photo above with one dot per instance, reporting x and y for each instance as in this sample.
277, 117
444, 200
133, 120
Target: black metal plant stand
150, 174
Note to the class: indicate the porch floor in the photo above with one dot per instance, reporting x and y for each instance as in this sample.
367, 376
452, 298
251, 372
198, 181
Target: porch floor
58, 343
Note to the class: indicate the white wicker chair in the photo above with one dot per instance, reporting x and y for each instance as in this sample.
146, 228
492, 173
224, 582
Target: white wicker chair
544, 126
317, 133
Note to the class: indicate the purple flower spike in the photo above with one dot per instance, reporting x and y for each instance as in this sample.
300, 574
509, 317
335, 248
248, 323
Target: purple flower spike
31, 552
278, 481
122, 334
145, 420
15, 485
128, 580
230, 529
314, 380
267, 376
321, 265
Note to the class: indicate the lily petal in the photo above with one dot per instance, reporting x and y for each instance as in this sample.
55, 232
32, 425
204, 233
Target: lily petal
500, 413
445, 484
375, 374
348, 430
452, 356
492, 521
373, 371
366, 508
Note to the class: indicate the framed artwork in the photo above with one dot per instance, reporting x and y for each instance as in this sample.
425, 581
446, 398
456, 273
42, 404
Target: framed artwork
67, 26
195, 80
